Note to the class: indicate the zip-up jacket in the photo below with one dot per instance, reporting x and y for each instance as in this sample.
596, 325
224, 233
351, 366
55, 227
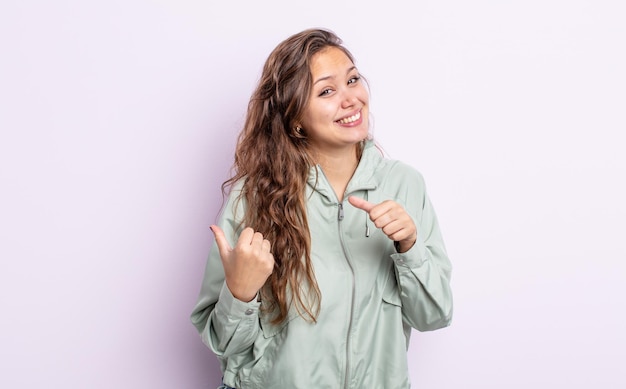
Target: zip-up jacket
371, 296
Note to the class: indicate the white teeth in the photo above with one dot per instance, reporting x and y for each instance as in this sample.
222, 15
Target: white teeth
350, 119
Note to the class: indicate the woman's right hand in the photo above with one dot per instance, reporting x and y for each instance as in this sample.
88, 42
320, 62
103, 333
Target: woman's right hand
246, 266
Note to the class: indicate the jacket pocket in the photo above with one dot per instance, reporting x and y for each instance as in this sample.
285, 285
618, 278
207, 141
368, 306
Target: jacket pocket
269, 329
391, 293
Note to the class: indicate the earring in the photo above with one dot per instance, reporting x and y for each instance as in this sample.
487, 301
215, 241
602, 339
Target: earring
298, 132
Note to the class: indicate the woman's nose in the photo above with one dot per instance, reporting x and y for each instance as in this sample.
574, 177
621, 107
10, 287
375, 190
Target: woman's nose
348, 98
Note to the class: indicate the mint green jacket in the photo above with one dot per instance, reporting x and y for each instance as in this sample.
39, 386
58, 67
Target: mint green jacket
371, 295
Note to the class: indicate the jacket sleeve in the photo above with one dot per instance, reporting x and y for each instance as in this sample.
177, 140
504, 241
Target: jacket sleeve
227, 326
423, 272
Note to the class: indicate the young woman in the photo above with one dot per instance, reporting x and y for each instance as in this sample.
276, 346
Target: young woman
326, 253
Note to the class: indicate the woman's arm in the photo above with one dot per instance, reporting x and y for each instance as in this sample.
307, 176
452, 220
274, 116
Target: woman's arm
227, 325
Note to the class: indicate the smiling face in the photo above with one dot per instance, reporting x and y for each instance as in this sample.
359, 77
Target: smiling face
336, 116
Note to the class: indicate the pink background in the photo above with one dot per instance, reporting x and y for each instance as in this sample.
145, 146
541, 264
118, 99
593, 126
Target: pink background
118, 121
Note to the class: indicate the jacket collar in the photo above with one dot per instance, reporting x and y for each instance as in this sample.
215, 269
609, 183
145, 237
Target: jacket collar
364, 177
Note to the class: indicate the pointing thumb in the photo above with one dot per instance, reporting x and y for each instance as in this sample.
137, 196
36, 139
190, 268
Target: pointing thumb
361, 204
222, 244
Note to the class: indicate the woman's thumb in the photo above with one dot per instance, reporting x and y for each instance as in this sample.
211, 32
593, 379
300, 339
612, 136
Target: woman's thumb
222, 244
361, 203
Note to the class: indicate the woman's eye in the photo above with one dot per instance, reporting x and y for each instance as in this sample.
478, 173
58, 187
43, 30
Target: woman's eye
325, 92
354, 79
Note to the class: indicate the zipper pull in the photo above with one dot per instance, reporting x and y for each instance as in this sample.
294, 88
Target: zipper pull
340, 215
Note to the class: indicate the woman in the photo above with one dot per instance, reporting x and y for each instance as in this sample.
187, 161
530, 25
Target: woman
326, 253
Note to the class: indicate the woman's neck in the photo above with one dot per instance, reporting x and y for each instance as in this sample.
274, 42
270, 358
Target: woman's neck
338, 169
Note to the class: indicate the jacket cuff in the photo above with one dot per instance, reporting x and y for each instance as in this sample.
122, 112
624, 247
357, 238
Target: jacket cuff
413, 258
231, 307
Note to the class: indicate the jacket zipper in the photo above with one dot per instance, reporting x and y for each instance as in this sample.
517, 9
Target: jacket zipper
347, 376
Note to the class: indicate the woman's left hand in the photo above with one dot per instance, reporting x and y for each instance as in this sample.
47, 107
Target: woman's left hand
392, 219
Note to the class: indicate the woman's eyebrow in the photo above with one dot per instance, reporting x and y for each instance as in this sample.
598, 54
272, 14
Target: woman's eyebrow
331, 77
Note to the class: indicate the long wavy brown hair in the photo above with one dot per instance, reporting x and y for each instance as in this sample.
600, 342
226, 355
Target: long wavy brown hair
273, 160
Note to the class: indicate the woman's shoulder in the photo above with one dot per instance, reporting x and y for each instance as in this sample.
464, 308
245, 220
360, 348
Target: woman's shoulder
399, 178
388, 166
397, 172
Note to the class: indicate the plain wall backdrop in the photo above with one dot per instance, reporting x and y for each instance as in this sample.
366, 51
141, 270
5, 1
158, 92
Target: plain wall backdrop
118, 122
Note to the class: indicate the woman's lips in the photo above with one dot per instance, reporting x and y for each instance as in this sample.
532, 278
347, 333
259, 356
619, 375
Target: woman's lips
350, 119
